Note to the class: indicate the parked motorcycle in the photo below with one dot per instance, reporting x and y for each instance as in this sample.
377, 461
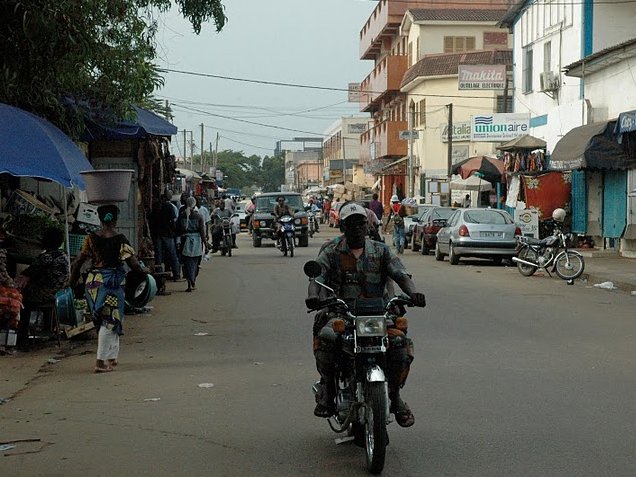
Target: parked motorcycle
549, 253
285, 241
225, 244
361, 338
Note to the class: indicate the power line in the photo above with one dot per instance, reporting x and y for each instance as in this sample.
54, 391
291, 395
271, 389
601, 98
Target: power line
245, 144
306, 86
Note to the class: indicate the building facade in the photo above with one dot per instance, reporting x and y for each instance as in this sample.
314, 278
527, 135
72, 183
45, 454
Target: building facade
341, 149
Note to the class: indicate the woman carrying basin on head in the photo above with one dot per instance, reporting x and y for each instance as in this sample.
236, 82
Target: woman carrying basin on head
107, 250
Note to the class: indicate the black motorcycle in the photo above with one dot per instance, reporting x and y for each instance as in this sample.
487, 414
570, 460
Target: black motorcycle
361, 339
226, 242
287, 232
549, 253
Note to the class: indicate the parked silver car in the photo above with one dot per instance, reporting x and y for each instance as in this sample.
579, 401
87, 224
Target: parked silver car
487, 233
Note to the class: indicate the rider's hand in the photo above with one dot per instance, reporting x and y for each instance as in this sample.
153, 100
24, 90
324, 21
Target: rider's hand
312, 302
418, 299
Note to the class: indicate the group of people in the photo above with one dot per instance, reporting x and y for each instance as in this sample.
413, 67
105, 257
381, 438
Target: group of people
181, 236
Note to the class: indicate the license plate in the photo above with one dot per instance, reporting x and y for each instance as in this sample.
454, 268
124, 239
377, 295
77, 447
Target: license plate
492, 234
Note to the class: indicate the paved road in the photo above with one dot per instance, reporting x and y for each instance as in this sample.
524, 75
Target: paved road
513, 376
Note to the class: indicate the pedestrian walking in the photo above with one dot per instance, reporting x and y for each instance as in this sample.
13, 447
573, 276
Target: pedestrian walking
466, 201
376, 206
107, 250
163, 231
396, 219
191, 230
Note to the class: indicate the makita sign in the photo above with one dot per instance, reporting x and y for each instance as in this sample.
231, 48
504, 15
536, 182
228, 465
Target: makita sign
498, 127
481, 77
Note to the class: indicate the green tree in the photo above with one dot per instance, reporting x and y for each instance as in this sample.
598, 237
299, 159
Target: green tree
272, 173
95, 52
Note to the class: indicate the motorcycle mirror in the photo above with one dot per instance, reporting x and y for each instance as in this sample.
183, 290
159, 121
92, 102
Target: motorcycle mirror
312, 269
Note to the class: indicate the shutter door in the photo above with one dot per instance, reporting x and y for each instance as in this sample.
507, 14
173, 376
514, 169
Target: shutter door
579, 202
614, 203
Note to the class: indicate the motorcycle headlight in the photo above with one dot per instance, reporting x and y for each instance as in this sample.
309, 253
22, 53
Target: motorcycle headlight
297, 221
263, 223
371, 326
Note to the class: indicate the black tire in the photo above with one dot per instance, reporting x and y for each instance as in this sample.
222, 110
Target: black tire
303, 240
376, 437
223, 252
439, 256
414, 246
497, 260
228, 245
453, 258
256, 241
572, 270
530, 255
290, 246
424, 250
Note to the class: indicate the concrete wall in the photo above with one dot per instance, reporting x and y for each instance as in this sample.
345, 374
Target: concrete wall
613, 24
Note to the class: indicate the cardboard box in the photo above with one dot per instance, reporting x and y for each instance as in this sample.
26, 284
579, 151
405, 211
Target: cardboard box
87, 213
8, 338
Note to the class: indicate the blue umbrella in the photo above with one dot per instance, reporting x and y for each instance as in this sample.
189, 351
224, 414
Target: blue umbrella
30, 146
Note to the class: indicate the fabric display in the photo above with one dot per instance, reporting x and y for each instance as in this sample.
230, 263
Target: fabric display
526, 161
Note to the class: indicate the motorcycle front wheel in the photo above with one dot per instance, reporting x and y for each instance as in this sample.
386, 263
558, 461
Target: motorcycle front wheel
375, 427
569, 265
290, 245
530, 255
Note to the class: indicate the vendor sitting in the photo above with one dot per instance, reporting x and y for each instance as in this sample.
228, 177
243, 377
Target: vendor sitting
45, 277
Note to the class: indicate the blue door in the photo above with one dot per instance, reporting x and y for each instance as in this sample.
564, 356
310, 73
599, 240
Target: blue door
579, 202
614, 203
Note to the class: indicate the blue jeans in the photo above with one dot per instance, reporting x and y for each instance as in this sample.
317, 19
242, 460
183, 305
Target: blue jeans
399, 238
165, 249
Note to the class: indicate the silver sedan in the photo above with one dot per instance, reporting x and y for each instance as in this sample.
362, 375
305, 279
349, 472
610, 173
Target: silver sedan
487, 233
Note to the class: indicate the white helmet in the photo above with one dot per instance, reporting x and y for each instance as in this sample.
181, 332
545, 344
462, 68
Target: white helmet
350, 209
395, 198
558, 215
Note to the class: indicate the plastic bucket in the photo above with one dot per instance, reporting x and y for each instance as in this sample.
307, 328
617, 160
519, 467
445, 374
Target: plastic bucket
140, 289
65, 308
107, 185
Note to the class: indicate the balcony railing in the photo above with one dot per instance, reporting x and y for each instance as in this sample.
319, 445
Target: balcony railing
386, 77
383, 21
383, 141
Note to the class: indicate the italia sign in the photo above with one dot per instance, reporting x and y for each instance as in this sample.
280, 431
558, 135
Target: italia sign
498, 127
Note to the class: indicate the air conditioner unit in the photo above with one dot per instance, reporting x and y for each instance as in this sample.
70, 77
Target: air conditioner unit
549, 81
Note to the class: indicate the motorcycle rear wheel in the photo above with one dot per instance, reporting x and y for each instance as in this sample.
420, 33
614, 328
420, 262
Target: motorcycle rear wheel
375, 427
530, 255
571, 270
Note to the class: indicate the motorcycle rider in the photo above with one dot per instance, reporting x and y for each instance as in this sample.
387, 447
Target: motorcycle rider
358, 267
217, 230
280, 209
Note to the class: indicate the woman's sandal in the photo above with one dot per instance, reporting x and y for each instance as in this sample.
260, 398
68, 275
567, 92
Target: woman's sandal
103, 370
113, 362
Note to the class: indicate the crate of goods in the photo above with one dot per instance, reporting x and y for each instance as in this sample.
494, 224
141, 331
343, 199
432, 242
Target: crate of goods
87, 214
8, 338
21, 202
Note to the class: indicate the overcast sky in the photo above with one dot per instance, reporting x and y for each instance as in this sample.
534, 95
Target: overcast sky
306, 42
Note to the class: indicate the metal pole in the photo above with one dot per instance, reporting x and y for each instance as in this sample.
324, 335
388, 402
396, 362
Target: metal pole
202, 150
344, 161
185, 148
449, 158
411, 178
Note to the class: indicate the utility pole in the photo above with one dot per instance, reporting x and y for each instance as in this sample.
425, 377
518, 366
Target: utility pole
449, 159
192, 150
411, 176
166, 113
344, 160
216, 152
202, 150
185, 148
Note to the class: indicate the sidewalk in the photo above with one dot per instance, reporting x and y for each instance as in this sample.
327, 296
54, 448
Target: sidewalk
601, 267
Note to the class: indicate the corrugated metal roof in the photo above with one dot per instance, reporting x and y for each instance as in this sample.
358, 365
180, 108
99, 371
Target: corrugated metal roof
457, 14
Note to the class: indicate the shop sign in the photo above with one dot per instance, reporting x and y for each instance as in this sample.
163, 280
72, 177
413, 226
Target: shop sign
528, 222
626, 122
459, 153
498, 127
353, 95
481, 77
461, 131
357, 128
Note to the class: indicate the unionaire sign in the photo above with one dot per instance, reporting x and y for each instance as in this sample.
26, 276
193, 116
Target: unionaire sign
498, 127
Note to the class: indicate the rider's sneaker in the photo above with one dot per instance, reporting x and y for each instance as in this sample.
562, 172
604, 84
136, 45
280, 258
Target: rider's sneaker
324, 411
403, 414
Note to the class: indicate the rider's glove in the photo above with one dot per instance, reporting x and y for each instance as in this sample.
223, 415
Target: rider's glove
312, 302
418, 299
